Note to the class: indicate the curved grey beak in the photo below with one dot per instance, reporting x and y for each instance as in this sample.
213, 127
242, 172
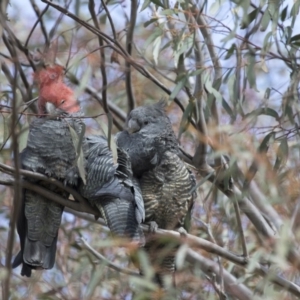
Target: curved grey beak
133, 126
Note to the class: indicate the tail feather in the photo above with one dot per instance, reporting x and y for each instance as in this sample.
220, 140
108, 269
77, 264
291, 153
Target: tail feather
162, 254
38, 255
120, 218
38, 224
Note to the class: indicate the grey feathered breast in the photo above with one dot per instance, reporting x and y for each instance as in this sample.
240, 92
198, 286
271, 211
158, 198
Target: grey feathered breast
49, 151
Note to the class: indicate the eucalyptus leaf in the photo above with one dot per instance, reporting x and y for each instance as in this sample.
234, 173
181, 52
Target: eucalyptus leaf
265, 20
77, 142
186, 118
156, 49
178, 88
282, 154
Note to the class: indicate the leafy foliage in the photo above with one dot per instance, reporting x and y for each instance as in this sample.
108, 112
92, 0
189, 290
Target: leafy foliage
230, 72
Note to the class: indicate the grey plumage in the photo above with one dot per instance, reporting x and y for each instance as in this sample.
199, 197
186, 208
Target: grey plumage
166, 183
112, 189
50, 151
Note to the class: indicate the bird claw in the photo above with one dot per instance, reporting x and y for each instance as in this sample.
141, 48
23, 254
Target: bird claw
153, 227
71, 176
182, 231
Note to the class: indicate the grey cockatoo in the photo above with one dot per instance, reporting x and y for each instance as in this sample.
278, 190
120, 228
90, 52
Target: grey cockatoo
112, 189
167, 185
49, 151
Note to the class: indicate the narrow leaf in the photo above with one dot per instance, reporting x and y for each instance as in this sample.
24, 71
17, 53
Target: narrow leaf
249, 18
178, 88
186, 118
283, 14
282, 154
264, 145
77, 142
156, 49
265, 20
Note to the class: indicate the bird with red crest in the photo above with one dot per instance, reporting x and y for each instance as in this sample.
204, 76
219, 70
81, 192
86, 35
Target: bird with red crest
50, 151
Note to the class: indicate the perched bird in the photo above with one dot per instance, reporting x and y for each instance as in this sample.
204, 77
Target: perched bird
112, 189
49, 151
167, 185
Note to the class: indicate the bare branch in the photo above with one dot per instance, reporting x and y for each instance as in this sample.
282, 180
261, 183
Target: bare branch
11, 171
129, 42
17, 189
79, 206
106, 261
39, 20
232, 286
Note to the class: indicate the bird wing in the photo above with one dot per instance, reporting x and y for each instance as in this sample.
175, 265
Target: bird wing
110, 189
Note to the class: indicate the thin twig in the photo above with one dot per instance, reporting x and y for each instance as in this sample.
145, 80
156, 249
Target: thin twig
106, 261
110, 19
39, 20
79, 206
17, 187
57, 22
129, 41
240, 227
33, 175
232, 286
102, 57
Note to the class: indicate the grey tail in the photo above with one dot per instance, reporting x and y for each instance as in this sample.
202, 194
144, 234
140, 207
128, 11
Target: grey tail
37, 226
120, 217
161, 253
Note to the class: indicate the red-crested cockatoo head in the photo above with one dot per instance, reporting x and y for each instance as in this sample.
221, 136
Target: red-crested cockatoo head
53, 90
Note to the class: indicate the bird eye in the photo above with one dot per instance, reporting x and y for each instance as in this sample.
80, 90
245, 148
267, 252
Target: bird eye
52, 76
62, 101
146, 123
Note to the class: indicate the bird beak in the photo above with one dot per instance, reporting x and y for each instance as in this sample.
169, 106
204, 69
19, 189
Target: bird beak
50, 108
133, 126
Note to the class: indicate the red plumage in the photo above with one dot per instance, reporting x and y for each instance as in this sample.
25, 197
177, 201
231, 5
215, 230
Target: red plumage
54, 90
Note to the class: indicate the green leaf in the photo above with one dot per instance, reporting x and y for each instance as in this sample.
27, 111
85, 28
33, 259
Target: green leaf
183, 46
283, 14
208, 85
156, 49
150, 22
228, 109
230, 51
265, 20
264, 145
157, 33
95, 280
23, 136
77, 142
186, 118
145, 4
282, 154
249, 18
294, 12
264, 111
288, 33
158, 3
295, 38
167, 12
178, 88
196, 72
250, 70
